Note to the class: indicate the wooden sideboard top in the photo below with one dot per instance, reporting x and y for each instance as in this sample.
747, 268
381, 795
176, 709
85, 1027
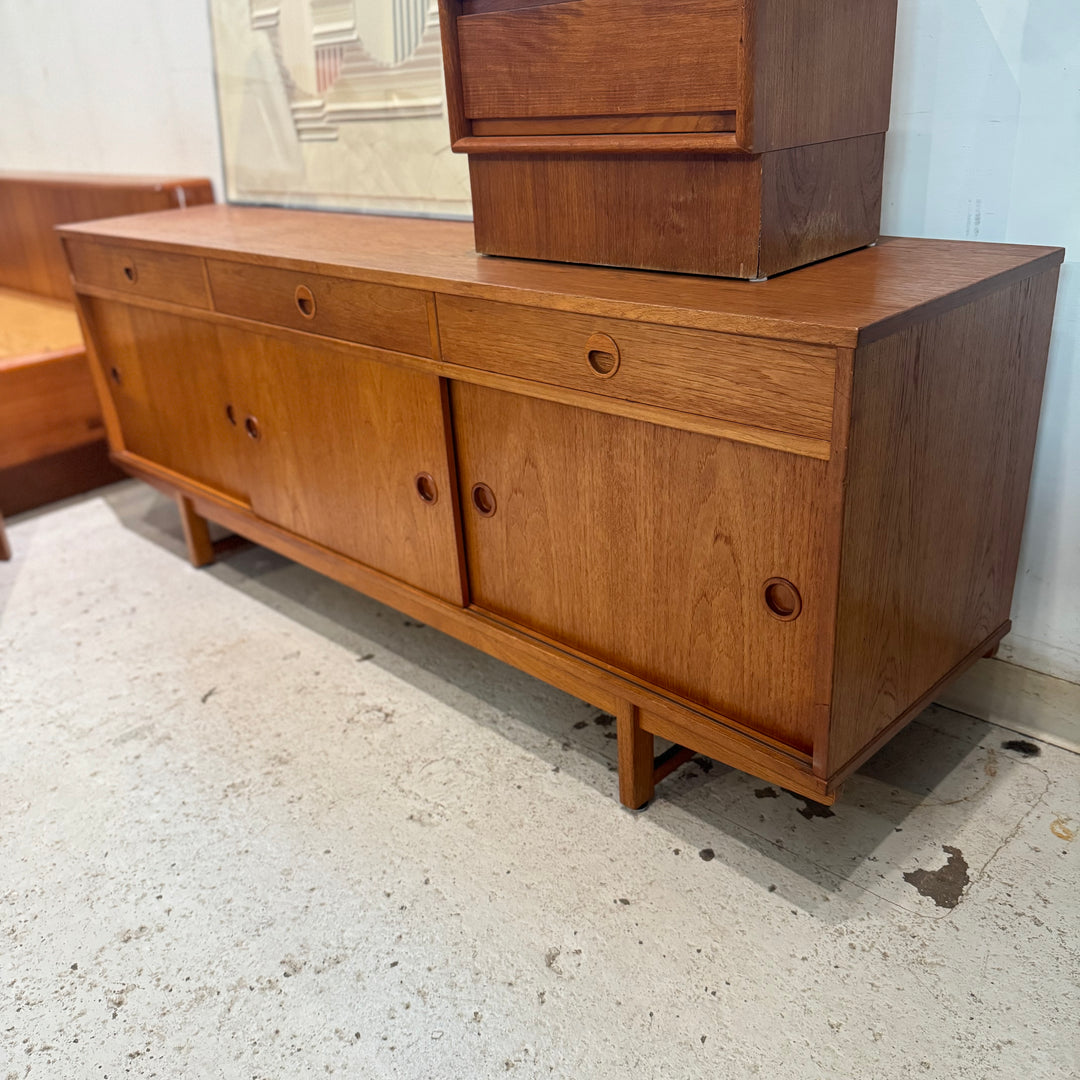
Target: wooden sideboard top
846, 301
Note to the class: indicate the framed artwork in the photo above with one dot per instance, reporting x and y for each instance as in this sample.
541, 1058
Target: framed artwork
337, 104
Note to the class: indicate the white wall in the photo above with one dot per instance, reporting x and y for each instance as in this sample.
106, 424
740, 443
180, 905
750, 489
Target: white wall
112, 86
985, 144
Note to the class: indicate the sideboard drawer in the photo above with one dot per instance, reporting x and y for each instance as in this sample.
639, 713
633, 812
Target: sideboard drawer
778, 385
157, 275
381, 316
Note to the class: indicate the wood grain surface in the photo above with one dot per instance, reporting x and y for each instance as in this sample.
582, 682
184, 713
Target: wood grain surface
32, 325
648, 548
585, 58
944, 418
862, 297
378, 315
32, 204
766, 384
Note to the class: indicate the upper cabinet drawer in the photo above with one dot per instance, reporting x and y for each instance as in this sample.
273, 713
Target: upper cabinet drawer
157, 275
381, 316
770, 74
778, 385
598, 57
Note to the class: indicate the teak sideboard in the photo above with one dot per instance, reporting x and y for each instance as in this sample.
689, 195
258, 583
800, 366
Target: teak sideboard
762, 522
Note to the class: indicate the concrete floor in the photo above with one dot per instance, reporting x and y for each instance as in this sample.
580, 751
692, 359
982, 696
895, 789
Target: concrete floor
255, 826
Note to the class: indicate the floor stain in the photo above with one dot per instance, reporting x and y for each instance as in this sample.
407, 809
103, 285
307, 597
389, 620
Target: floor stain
604, 720
1022, 746
208, 695
1061, 829
707, 854
766, 793
945, 886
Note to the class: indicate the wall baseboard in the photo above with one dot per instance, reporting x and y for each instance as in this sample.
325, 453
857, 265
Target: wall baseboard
1020, 699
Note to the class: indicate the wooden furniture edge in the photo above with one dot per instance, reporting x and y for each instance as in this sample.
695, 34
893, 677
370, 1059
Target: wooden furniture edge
988, 644
718, 142
13, 363
769, 438
756, 326
1050, 259
660, 715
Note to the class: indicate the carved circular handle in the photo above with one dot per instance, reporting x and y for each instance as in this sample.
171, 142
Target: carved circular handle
305, 301
782, 599
130, 272
602, 355
483, 499
114, 374
230, 415
251, 426
426, 488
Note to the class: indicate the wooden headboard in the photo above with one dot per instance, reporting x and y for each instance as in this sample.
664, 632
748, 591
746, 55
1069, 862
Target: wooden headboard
31, 205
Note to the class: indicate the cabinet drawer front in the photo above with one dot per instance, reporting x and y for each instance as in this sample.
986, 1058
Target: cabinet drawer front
381, 316
158, 275
663, 553
767, 384
586, 58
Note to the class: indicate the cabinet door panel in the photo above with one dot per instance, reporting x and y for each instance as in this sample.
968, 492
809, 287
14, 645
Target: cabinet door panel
650, 549
171, 385
341, 442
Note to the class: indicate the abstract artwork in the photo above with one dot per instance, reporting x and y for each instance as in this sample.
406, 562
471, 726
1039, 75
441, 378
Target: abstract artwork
338, 104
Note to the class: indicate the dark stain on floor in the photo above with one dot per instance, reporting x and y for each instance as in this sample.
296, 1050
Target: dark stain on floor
604, 720
707, 854
944, 886
1022, 746
766, 793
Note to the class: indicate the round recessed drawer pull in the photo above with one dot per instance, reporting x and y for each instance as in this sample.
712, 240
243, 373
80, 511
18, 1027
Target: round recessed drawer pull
305, 301
230, 415
602, 355
251, 426
130, 272
426, 488
114, 374
483, 499
782, 599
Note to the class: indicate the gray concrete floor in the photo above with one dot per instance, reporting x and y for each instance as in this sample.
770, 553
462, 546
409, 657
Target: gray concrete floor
253, 825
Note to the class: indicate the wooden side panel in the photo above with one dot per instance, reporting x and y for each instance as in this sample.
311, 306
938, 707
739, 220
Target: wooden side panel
819, 201
31, 207
340, 442
621, 211
47, 405
944, 418
650, 549
821, 70
171, 385
600, 58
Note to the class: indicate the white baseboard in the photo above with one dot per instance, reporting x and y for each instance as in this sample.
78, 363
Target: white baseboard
1020, 699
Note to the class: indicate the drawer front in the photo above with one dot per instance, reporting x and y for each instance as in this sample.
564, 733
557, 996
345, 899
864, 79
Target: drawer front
157, 275
689, 561
767, 384
586, 58
381, 316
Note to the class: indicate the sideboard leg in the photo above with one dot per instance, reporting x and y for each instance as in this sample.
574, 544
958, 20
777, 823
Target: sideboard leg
636, 783
196, 534
5, 547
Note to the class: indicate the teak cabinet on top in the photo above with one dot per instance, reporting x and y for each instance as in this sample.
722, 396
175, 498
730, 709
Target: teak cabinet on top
763, 522
739, 138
